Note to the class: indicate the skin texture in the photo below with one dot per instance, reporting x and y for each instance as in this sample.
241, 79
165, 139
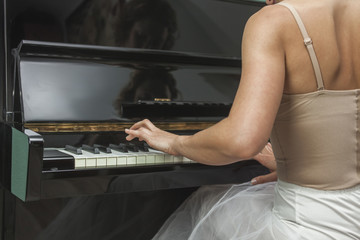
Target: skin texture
275, 62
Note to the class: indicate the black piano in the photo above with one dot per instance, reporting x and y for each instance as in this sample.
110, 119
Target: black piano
74, 74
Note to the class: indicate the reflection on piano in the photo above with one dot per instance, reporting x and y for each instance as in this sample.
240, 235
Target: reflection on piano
75, 74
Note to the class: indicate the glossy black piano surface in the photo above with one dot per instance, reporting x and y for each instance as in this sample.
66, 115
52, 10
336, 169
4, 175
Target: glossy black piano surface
75, 74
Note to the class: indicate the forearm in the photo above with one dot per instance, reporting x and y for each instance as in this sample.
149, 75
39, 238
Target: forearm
218, 145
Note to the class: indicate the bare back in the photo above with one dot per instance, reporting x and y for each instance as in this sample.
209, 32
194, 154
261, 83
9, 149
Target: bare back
315, 134
334, 29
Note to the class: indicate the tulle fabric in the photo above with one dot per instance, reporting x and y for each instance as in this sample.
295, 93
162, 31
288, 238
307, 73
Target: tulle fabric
271, 211
226, 212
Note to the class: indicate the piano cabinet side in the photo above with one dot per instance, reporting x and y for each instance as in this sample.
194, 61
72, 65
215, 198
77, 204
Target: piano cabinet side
22, 163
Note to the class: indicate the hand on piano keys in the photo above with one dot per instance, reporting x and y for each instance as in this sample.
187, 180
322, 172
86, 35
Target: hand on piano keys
156, 138
114, 155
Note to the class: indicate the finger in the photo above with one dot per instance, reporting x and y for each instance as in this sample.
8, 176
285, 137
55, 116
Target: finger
137, 125
268, 147
130, 136
146, 123
266, 160
141, 133
264, 178
266, 151
260, 157
149, 124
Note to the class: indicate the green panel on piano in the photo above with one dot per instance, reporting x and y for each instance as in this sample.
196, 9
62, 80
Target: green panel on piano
19, 163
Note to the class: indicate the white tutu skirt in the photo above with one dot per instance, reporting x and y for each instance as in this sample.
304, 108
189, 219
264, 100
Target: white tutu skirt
280, 211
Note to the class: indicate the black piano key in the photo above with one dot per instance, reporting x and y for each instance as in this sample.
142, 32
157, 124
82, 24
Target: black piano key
72, 149
55, 160
132, 147
91, 149
143, 146
121, 147
103, 148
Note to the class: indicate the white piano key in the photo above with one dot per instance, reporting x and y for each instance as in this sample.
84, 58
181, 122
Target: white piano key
90, 162
131, 160
187, 160
111, 161
150, 159
178, 159
91, 159
141, 159
159, 156
168, 158
80, 162
121, 161
121, 158
159, 159
101, 161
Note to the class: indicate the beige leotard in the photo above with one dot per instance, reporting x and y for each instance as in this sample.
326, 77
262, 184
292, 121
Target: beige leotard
316, 137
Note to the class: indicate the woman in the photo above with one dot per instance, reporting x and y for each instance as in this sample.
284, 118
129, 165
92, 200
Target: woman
307, 103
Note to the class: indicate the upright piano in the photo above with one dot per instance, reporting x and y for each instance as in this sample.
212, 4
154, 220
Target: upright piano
74, 74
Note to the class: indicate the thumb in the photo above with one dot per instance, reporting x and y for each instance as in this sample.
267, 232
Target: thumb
264, 178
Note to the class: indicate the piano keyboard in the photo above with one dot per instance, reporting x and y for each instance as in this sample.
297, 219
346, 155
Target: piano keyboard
91, 157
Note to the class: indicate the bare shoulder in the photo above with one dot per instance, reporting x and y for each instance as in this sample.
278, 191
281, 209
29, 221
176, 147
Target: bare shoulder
270, 21
268, 25
270, 17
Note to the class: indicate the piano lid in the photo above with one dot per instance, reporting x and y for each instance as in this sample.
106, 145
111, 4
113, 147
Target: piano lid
79, 83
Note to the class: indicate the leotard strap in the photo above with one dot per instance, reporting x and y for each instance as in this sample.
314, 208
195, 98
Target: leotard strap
309, 45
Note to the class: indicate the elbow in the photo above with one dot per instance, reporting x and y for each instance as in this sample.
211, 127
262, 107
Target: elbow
245, 148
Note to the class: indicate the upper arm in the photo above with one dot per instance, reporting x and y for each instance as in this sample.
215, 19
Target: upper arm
262, 79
